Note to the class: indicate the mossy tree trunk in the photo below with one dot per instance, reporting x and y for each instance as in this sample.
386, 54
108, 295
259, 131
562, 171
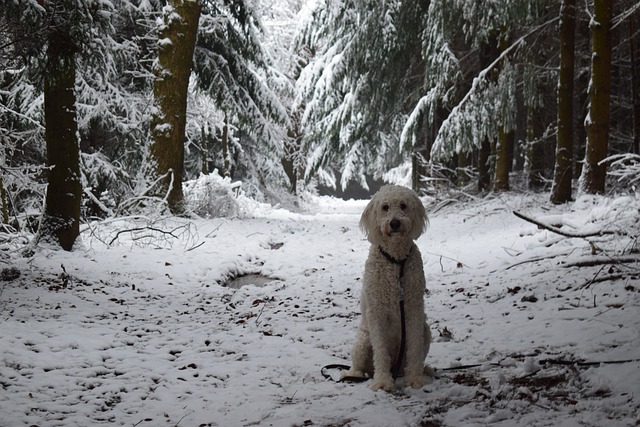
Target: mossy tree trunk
61, 220
172, 72
593, 171
561, 189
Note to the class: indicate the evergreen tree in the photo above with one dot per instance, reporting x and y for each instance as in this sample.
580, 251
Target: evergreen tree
69, 30
231, 68
356, 91
114, 97
499, 33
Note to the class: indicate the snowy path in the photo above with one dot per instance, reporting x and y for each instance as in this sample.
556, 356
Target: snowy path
136, 335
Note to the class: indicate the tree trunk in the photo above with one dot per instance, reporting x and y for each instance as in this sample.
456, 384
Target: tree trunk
204, 149
172, 72
290, 160
463, 162
597, 123
226, 157
635, 84
484, 165
61, 220
537, 153
504, 144
4, 207
503, 160
561, 190
420, 158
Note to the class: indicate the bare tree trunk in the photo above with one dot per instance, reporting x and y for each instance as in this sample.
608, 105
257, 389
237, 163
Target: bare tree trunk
535, 151
420, 158
226, 158
4, 208
561, 190
464, 161
204, 149
175, 57
61, 220
635, 84
593, 172
504, 143
484, 166
291, 159
503, 160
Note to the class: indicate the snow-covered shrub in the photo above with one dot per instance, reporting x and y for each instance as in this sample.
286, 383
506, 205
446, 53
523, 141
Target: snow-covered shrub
212, 196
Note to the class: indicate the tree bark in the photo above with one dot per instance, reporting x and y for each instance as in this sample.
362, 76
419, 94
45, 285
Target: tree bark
635, 84
4, 208
597, 123
172, 72
561, 189
464, 160
61, 220
204, 149
503, 160
504, 143
484, 165
226, 157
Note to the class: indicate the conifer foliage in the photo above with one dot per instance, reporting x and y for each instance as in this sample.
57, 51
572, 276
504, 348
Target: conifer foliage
440, 95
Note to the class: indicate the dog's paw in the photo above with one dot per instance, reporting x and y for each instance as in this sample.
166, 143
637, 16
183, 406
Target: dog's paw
417, 381
430, 372
384, 383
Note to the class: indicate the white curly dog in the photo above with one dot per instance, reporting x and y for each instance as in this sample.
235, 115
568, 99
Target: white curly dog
392, 220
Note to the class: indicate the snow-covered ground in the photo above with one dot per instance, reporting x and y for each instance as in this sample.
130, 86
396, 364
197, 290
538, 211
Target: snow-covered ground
136, 327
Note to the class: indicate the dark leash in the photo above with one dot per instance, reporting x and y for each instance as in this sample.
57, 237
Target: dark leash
340, 367
396, 369
403, 339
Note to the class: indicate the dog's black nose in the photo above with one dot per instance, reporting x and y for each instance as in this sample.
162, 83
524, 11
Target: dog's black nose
394, 224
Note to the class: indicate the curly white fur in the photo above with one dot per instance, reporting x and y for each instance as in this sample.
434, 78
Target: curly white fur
392, 220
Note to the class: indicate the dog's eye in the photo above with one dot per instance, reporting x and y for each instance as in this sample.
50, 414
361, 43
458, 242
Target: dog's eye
385, 207
403, 206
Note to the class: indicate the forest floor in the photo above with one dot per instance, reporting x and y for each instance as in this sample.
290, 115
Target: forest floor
139, 325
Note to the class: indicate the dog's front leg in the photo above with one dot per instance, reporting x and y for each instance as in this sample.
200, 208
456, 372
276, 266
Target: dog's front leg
382, 378
417, 348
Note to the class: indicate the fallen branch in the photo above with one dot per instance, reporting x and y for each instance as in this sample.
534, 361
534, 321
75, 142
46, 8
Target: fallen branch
582, 363
611, 278
537, 259
562, 232
151, 229
601, 261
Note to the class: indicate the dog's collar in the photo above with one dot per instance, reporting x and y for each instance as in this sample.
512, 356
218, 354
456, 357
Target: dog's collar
392, 259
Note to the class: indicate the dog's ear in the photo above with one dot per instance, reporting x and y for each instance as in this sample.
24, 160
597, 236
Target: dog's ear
420, 218
368, 223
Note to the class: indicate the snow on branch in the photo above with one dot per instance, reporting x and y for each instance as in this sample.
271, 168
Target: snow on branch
560, 231
625, 167
452, 134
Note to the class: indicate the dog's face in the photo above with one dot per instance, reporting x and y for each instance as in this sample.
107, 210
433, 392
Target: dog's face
394, 212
